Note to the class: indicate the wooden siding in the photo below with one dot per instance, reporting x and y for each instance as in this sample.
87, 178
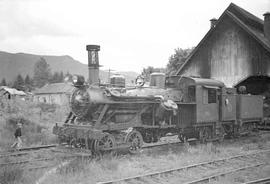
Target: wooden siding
229, 55
60, 99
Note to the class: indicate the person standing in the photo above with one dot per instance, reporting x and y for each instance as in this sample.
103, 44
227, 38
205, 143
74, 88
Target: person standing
18, 133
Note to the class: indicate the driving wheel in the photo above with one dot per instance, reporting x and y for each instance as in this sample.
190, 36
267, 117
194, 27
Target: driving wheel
135, 140
106, 143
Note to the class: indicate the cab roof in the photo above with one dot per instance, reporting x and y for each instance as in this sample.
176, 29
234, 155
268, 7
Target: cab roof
197, 81
203, 81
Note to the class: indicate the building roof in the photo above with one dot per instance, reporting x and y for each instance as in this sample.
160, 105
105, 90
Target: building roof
247, 21
12, 91
55, 88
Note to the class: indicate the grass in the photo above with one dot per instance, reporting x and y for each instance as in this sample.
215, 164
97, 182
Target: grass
37, 119
112, 167
11, 174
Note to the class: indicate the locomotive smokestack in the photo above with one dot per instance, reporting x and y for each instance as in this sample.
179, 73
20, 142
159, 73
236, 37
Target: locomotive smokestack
93, 63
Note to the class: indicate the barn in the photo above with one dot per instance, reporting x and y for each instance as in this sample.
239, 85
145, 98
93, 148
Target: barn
55, 93
235, 50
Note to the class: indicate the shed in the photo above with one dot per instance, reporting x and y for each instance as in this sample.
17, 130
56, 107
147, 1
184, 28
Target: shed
11, 93
236, 51
55, 93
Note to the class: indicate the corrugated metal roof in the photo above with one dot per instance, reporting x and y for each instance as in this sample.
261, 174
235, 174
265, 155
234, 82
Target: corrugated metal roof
250, 23
55, 88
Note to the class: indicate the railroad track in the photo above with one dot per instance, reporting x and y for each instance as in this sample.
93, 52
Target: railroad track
259, 181
26, 150
38, 157
18, 151
66, 152
217, 168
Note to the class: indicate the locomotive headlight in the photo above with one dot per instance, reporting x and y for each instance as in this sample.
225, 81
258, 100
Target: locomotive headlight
74, 79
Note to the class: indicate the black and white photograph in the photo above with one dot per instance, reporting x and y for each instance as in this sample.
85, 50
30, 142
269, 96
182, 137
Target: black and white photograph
134, 91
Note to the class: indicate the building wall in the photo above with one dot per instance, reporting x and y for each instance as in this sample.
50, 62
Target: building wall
229, 55
60, 99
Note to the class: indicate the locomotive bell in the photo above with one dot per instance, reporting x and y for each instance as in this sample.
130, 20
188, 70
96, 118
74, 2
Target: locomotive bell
93, 63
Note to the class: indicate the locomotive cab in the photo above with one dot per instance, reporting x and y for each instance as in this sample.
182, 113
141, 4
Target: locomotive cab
199, 109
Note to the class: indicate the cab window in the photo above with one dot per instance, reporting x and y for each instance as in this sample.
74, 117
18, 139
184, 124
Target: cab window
212, 96
191, 93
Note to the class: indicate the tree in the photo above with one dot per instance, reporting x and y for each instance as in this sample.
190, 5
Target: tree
57, 77
61, 77
68, 77
147, 71
42, 73
177, 60
28, 83
19, 83
3, 82
27, 80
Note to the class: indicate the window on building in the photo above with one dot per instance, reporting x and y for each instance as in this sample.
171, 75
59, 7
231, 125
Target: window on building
191, 93
212, 96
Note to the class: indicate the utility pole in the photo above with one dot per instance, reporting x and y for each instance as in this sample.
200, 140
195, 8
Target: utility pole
109, 75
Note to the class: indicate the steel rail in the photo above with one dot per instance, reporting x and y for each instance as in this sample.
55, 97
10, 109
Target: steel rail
14, 154
207, 179
38, 147
263, 180
182, 168
25, 161
29, 148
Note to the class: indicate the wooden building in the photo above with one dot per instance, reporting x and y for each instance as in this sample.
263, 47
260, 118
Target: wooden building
11, 93
55, 93
236, 51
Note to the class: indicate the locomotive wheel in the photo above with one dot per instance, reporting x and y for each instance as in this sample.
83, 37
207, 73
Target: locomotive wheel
134, 138
205, 134
106, 142
182, 138
221, 134
74, 143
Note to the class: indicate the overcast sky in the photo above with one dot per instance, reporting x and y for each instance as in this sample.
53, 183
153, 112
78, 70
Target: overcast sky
132, 33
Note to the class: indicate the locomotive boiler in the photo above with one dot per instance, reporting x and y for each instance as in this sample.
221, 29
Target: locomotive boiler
102, 118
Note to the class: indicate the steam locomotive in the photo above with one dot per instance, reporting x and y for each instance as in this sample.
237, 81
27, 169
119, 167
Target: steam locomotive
103, 118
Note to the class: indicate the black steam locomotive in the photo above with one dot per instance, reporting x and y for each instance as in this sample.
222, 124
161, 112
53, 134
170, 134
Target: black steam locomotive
103, 118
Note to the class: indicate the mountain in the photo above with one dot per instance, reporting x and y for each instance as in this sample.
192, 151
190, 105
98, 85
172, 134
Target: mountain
23, 63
